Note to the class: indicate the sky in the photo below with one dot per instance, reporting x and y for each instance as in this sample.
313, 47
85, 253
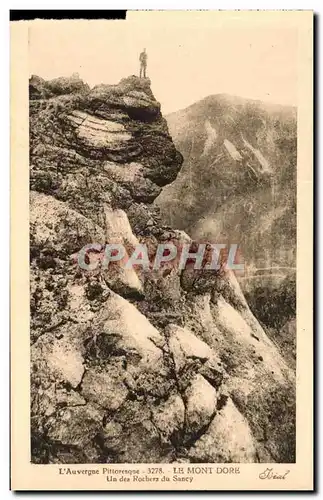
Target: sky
188, 58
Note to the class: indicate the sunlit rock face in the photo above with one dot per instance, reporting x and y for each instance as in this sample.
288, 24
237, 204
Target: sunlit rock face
134, 365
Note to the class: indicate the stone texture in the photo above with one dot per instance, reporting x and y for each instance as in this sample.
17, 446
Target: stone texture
169, 417
183, 345
133, 333
74, 426
104, 386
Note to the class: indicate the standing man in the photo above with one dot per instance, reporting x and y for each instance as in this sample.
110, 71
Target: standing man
143, 63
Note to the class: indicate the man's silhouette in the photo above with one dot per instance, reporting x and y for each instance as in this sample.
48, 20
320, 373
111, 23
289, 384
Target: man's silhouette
143, 63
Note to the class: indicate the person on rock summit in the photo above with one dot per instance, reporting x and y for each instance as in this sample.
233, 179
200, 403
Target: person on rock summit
143, 63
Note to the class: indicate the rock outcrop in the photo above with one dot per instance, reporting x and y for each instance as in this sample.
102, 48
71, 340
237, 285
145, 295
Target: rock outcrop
138, 366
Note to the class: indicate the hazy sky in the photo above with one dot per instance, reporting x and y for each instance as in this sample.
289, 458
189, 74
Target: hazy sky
186, 60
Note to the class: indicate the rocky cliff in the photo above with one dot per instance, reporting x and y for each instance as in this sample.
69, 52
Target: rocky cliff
134, 365
241, 154
238, 184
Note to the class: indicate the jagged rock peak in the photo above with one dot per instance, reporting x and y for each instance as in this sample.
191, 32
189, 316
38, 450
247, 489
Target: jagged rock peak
112, 141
